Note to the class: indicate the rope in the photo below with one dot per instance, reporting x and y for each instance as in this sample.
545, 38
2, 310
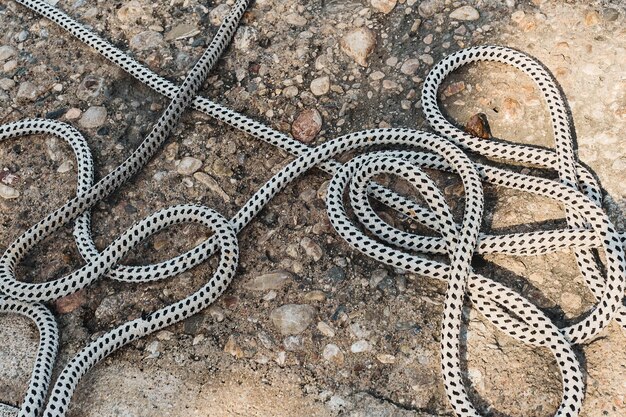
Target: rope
589, 229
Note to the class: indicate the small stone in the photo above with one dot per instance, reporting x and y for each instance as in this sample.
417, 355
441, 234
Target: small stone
466, 13
360, 346
333, 354
182, 31
293, 343
478, 126
320, 86
66, 166
28, 91
386, 359
70, 302
410, 66
90, 88
390, 85
428, 39
9, 65
131, 12
7, 52
427, 58
571, 301
164, 335
296, 19
188, 165
311, 248
325, 329
454, 88
336, 274
146, 40
210, 182
512, 109
377, 276
8, 193
307, 125
93, 117
291, 91
270, 296
292, 319
377, 75
153, 350
6, 83
314, 296
592, 17
233, 348
8, 178
384, 6
428, 8
73, 113
359, 44
217, 15
272, 281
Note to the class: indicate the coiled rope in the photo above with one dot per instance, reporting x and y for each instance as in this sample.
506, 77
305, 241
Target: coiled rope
589, 228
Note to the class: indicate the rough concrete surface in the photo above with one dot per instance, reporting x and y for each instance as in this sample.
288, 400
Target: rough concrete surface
362, 339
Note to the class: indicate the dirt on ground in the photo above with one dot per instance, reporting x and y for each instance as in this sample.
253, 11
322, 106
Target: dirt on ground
368, 335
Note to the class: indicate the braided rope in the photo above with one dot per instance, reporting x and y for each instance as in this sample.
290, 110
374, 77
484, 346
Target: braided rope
589, 228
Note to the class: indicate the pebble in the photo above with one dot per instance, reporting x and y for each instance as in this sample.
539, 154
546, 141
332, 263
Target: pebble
320, 86
296, 19
131, 12
314, 296
311, 248
333, 354
336, 274
188, 165
454, 88
292, 319
89, 88
377, 75
478, 126
28, 91
233, 348
571, 301
146, 40
153, 350
73, 113
293, 343
70, 302
512, 109
6, 83
427, 58
410, 66
307, 125
466, 13
325, 329
66, 166
271, 281
384, 6
210, 182
217, 15
428, 8
182, 31
361, 346
291, 91
8, 193
386, 359
93, 117
9, 65
7, 52
358, 44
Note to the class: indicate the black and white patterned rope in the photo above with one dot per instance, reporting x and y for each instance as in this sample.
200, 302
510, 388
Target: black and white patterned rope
589, 228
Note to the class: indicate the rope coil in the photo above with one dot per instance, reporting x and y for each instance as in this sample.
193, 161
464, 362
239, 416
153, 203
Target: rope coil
577, 190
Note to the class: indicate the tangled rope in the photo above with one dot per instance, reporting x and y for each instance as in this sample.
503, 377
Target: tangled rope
589, 228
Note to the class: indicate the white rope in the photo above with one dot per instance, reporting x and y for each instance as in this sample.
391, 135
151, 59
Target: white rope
589, 228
